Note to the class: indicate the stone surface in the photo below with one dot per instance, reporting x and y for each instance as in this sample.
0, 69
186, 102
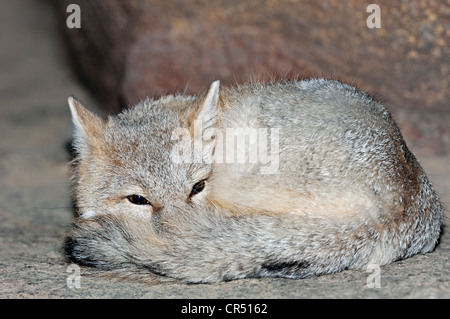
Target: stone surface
35, 208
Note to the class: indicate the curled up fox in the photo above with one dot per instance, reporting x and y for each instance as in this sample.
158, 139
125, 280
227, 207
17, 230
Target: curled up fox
319, 180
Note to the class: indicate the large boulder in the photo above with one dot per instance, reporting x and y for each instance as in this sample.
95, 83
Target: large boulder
127, 50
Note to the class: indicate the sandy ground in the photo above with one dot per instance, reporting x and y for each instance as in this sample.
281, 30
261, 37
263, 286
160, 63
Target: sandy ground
35, 207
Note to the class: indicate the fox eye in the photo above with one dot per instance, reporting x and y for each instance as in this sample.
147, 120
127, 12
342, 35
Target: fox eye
138, 200
197, 188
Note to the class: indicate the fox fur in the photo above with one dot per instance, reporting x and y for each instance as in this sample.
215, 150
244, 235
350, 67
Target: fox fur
346, 193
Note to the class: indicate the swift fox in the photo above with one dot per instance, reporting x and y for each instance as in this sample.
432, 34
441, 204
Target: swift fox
320, 180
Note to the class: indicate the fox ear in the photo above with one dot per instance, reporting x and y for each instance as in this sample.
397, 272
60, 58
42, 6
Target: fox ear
202, 126
89, 128
207, 113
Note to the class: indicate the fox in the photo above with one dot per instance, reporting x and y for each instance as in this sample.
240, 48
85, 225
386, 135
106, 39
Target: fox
333, 187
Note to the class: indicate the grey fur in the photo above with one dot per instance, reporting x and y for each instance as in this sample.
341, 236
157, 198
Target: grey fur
348, 192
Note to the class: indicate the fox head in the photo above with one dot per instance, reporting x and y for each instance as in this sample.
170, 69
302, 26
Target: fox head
145, 161
136, 173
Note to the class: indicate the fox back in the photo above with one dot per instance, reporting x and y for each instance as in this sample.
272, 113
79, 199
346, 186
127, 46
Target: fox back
289, 179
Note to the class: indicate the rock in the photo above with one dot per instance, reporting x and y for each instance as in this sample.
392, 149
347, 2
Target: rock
35, 207
131, 49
